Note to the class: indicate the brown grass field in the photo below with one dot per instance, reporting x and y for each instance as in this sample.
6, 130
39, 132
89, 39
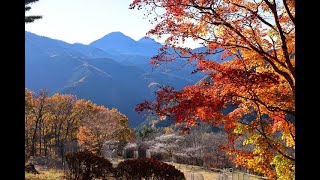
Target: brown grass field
191, 173
46, 175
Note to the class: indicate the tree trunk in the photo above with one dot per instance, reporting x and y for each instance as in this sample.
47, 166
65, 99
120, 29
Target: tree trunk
34, 138
45, 143
40, 137
26, 141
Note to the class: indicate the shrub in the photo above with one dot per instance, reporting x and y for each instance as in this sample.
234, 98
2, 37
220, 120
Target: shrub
186, 159
29, 168
86, 165
147, 168
161, 156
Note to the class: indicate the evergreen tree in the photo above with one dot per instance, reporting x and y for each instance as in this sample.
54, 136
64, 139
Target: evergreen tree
29, 19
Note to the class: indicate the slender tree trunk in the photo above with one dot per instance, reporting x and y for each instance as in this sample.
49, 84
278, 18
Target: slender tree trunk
27, 149
40, 137
51, 153
59, 138
67, 133
45, 142
55, 140
39, 116
34, 139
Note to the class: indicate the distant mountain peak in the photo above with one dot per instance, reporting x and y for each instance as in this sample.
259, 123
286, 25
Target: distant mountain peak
114, 41
116, 32
119, 43
117, 35
146, 39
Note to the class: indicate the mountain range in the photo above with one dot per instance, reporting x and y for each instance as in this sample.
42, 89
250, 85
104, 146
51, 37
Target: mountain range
113, 71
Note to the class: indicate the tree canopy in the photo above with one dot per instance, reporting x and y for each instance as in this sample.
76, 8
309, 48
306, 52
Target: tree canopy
61, 123
259, 80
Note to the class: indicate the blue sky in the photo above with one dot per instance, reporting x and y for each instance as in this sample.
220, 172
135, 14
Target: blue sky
84, 21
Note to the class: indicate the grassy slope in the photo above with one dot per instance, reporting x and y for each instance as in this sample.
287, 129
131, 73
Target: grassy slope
46, 175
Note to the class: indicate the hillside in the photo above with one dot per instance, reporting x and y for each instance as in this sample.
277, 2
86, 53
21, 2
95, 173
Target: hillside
107, 77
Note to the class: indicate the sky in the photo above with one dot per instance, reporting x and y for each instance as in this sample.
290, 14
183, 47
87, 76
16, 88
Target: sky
84, 21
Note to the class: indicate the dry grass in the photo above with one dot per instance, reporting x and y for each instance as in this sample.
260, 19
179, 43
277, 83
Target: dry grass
46, 175
190, 171
196, 171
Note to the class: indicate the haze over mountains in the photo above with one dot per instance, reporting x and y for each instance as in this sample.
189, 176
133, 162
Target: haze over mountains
113, 71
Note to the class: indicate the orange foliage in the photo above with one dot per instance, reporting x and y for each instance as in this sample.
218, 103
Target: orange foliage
259, 37
102, 125
59, 123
